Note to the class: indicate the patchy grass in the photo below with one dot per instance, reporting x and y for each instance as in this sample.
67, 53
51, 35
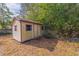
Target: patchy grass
38, 47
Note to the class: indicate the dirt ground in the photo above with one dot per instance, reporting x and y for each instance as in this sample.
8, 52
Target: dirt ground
37, 47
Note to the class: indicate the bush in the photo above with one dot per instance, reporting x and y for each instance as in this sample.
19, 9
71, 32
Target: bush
5, 31
49, 34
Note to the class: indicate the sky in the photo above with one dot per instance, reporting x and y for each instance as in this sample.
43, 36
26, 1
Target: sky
14, 8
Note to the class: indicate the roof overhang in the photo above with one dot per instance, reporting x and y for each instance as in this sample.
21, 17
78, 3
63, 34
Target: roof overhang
25, 20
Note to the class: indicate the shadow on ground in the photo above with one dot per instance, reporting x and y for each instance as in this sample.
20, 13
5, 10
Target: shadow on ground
49, 44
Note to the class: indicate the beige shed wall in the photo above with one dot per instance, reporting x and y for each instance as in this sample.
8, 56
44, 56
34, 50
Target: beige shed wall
27, 35
16, 34
35, 31
39, 30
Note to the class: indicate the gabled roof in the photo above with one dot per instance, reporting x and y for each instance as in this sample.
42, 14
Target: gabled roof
26, 20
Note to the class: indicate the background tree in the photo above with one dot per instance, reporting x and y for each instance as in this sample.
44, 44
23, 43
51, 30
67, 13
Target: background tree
5, 16
63, 19
23, 10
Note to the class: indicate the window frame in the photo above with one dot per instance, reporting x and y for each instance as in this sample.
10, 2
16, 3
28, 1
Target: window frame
28, 27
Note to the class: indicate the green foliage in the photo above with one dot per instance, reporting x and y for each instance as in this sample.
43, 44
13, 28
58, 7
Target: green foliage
61, 18
5, 16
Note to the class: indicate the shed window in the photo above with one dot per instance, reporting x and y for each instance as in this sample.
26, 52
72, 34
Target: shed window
15, 28
28, 27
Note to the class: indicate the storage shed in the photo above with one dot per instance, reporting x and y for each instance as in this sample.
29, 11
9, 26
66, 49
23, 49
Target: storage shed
24, 30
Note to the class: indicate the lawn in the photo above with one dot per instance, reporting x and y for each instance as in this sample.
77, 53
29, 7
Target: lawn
38, 47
